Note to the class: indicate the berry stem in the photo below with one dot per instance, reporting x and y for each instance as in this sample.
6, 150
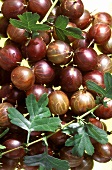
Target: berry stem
28, 137
49, 11
4, 133
90, 111
40, 139
79, 118
3, 153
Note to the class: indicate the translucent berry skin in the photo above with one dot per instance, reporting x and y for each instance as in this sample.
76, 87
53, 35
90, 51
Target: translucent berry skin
4, 119
102, 17
11, 144
39, 6
72, 9
96, 76
35, 50
85, 58
58, 102
59, 52
4, 22
104, 112
44, 72
16, 34
37, 90
65, 154
10, 57
84, 21
12, 8
70, 79
22, 77
81, 101
99, 33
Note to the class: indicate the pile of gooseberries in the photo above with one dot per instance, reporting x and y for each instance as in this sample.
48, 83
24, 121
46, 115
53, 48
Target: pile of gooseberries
47, 64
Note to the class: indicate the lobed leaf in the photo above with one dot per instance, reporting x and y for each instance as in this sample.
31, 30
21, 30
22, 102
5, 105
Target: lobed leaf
72, 128
43, 101
37, 108
74, 32
41, 168
70, 141
108, 80
40, 119
61, 35
18, 119
40, 27
93, 86
4, 132
81, 143
45, 124
98, 134
29, 17
61, 22
108, 84
63, 31
31, 105
28, 21
2, 147
46, 161
109, 94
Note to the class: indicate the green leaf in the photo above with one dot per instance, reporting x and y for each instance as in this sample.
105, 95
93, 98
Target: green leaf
81, 143
93, 86
70, 141
72, 128
98, 134
27, 17
4, 132
61, 22
108, 94
37, 108
61, 35
47, 161
50, 20
40, 119
2, 147
41, 168
43, 101
63, 31
34, 35
104, 104
40, 27
108, 80
108, 84
74, 32
45, 124
99, 99
18, 119
28, 21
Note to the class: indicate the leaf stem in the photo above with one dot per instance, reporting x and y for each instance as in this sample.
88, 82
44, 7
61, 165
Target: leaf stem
80, 117
31, 143
90, 111
28, 137
48, 136
49, 11
68, 124
4, 133
40, 139
3, 153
